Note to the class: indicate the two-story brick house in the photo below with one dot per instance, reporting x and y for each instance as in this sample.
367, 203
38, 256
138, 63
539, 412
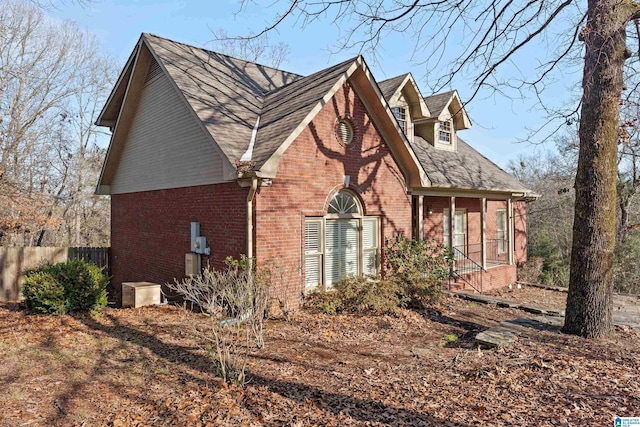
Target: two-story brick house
310, 172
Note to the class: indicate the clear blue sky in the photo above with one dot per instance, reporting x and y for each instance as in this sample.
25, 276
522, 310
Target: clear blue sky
497, 122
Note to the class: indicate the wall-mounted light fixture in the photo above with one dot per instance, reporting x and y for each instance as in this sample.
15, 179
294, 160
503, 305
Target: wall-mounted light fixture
429, 210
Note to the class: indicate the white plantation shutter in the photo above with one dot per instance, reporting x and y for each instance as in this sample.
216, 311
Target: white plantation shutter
341, 237
332, 254
313, 253
370, 245
349, 236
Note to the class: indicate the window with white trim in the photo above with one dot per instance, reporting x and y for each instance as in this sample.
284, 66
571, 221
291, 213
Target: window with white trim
501, 228
446, 133
460, 229
400, 113
344, 242
343, 203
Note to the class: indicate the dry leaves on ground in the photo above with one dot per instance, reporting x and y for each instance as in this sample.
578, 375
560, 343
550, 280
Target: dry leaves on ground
138, 367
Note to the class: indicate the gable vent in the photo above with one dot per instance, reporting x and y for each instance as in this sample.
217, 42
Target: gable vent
344, 132
154, 71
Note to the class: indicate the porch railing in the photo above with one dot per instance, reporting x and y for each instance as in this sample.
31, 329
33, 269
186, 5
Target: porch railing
496, 250
465, 270
467, 266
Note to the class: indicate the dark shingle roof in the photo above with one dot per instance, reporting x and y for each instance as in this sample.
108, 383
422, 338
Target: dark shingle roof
285, 108
390, 86
226, 93
464, 168
229, 94
437, 103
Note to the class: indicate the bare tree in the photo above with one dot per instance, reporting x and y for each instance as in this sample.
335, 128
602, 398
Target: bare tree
628, 184
48, 87
253, 49
86, 216
492, 34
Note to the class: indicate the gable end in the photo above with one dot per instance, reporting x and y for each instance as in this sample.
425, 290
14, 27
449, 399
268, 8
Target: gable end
165, 147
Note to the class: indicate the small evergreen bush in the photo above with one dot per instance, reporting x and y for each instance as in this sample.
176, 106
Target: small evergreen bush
66, 287
418, 268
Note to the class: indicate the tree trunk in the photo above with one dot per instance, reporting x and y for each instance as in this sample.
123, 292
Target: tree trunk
589, 302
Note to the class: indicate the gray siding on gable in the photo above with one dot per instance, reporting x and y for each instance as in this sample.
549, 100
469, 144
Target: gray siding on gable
166, 147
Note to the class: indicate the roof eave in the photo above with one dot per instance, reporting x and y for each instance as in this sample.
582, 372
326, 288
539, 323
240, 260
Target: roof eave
444, 190
463, 121
121, 84
418, 98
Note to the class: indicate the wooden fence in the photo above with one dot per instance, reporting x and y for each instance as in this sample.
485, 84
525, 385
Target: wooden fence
14, 260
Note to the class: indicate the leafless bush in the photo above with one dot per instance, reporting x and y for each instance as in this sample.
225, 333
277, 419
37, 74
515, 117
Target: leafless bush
280, 275
235, 299
531, 270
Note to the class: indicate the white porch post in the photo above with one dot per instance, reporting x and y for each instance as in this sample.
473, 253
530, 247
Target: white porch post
510, 230
452, 220
420, 218
483, 231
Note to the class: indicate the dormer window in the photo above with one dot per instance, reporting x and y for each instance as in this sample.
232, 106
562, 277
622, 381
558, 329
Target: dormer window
445, 132
400, 114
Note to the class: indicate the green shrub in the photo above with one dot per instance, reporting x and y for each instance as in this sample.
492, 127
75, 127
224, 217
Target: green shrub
418, 269
556, 258
355, 294
67, 287
42, 293
414, 275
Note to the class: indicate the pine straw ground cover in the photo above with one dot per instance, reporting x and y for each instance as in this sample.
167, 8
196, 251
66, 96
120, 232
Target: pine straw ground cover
138, 367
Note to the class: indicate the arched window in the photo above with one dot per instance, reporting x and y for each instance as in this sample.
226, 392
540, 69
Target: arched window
344, 203
341, 243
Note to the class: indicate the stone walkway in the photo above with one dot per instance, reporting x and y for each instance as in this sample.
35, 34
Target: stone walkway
626, 312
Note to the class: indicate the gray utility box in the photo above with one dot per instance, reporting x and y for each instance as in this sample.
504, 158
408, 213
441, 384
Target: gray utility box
139, 294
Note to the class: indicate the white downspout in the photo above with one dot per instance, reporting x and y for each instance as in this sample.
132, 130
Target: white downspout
250, 198
246, 157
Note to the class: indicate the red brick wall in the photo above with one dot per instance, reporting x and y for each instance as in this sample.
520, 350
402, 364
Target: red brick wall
151, 230
497, 276
433, 224
520, 225
311, 170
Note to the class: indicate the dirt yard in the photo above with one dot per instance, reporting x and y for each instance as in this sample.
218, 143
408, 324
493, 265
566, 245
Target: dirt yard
533, 295
139, 367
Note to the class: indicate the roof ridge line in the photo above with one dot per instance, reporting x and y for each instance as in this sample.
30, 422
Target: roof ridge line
222, 54
273, 91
